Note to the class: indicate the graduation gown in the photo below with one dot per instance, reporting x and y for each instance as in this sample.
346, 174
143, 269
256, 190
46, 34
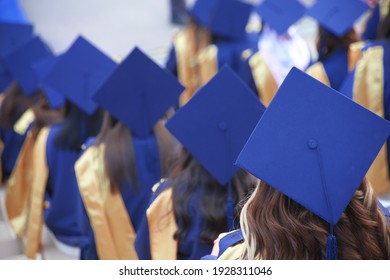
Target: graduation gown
55, 195
369, 85
115, 217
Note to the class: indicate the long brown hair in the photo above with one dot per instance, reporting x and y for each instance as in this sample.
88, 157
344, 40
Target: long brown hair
119, 154
276, 227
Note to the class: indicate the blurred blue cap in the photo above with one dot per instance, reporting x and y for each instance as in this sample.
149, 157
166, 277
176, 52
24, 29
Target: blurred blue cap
41, 69
139, 92
280, 14
20, 61
216, 122
337, 16
79, 73
13, 35
225, 18
314, 145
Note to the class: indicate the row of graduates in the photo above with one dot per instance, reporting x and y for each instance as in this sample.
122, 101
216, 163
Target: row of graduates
115, 171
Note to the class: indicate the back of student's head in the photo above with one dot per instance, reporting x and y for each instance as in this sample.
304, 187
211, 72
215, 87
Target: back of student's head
187, 177
77, 126
14, 104
276, 227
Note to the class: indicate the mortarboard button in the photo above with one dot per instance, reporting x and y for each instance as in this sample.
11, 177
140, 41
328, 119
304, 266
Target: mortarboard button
139, 92
79, 73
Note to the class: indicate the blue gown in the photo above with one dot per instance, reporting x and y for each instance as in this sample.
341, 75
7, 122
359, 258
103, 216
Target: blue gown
191, 248
62, 193
148, 173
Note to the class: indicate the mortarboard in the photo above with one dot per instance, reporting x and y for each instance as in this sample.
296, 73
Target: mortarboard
139, 92
314, 145
13, 35
215, 124
337, 16
19, 62
41, 69
225, 18
280, 14
79, 73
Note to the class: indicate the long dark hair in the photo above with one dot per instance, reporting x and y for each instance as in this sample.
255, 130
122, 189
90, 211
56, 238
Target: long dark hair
327, 42
188, 176
119, 154
14, 104
77, 127
276, 227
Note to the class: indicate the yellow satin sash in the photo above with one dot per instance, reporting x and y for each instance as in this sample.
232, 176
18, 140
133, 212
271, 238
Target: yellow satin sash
162, 227
112, 227
318, 72
208, 63
354, 54
19, 185
39, 181
368, 91
384, 8
265, 82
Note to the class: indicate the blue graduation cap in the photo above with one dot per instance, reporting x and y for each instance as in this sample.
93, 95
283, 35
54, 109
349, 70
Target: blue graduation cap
41, 70
280, 14
315, 146
217, 121
337, 16
225, 18
79, 73
13, 35
139, 92
19, 62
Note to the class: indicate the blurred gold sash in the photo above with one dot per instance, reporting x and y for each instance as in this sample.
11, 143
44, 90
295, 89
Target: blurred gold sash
39, 181
263, 77
318, 72
162, 227
112, 227
368, 91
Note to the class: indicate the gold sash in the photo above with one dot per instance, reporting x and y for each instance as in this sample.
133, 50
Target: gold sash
318, 72
368, 91
162, 227
39, 181
354, 54
1, 167
19, 185
192, 72
263, 77
112, 227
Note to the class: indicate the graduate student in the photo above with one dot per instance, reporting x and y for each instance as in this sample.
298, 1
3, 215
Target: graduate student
77, 75
279, 47
116, 173
201, 197
215, 35
322, 207
38, 114
337, 53
12, 36
368, 85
